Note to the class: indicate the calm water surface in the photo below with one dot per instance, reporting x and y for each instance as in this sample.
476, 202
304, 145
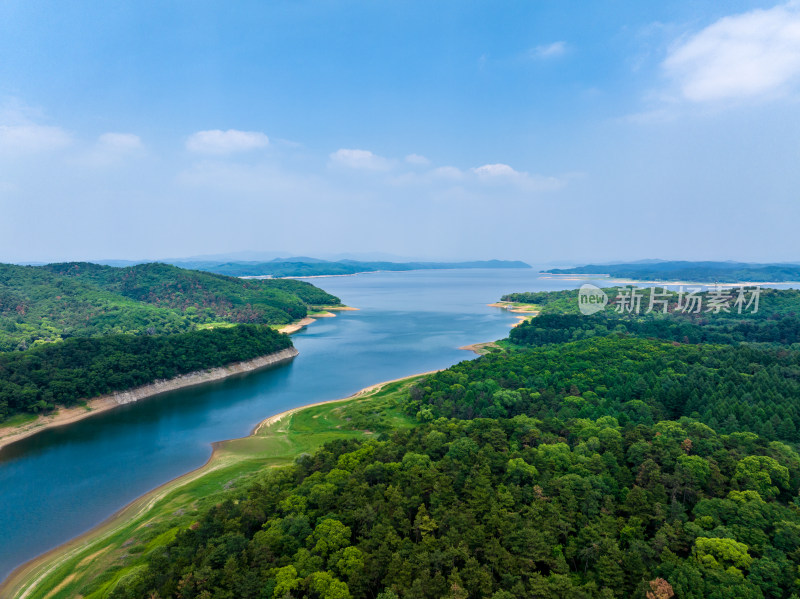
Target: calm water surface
61, 482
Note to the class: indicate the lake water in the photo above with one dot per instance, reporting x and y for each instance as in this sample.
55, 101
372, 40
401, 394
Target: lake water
63, 481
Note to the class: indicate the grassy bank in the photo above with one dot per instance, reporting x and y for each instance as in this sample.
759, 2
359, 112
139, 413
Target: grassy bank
90, 565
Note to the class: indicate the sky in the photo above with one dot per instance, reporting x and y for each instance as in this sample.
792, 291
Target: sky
546, 131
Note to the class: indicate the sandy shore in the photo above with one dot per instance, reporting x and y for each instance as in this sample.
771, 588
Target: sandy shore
296, 326
301, 324
481, 348
516, 309
98, 405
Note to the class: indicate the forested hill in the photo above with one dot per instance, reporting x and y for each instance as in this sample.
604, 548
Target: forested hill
307, 267
581, 459
58, 301
702, 272
76, 330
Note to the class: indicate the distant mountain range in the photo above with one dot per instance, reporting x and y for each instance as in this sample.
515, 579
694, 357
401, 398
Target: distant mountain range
302, 266
273, 255
701, 272
305, 266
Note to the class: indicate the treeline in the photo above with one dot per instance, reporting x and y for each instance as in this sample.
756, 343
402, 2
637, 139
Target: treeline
79, 299
502, 508
81, 368
730, 388
704, 272
541, 298
561, 328
772, 303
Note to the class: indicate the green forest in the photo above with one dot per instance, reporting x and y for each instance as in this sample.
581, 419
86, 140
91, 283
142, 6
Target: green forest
589, 456
703, 272
76, 330
80, 299
84, 367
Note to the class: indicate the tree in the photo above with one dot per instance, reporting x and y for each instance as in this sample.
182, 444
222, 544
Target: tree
330, 535
660, 589
326, 586
762, 474
286, 581
720, 554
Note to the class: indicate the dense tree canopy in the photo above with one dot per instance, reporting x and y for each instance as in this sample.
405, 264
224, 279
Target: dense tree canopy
81, 368
589, 458
730, 388
79, 299
76, 330
510, 507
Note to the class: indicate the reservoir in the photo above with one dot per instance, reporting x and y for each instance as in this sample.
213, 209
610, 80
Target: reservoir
63, 481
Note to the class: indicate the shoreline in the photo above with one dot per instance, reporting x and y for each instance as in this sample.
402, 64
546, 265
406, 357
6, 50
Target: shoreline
38, 568
482, 348
516, 308
104, 403
270, 420
328, 312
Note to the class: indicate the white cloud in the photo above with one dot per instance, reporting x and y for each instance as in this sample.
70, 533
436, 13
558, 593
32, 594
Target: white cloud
32, 138
548, 50
481, 177
495, 170
221, 142
359, 159
504, 174
119, 142
751, 54
417, 160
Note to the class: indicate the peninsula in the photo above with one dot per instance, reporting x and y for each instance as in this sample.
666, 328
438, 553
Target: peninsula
76, 332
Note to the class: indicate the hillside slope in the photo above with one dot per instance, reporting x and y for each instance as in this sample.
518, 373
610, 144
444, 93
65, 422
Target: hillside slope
80, 299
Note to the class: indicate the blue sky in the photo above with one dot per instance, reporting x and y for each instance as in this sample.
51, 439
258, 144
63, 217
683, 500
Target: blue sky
537, 130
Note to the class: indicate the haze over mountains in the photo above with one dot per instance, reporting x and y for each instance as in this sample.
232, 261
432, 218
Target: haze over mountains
258, 264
